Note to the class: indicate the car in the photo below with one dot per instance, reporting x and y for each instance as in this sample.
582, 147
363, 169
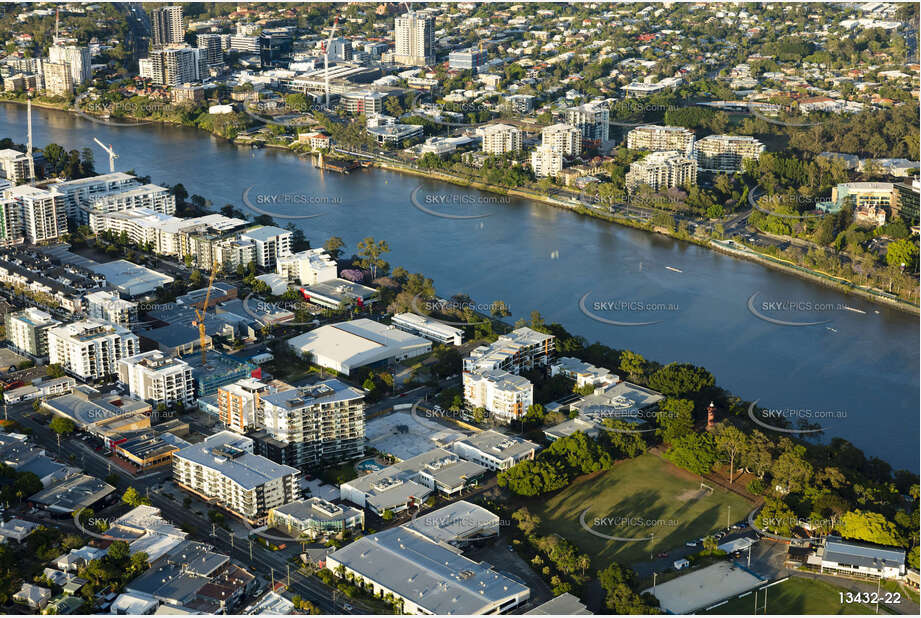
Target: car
663, 554
510, 548
347, 607
738, 526
692, 543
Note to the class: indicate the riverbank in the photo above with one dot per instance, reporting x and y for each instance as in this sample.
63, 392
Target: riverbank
701, 241
789, 268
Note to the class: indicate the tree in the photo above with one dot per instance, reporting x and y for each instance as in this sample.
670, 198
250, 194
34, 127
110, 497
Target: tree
681, 379
871, 527
528, 523
621, 599
334, 246
387, 515
694, 452
62, 426
633, 365
902, 251
370, 252
500, 309
731, 442
675, 418
119, 551
132, 498
56, 371
791, 470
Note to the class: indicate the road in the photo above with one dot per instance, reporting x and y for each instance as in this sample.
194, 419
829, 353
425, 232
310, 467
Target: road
264, 561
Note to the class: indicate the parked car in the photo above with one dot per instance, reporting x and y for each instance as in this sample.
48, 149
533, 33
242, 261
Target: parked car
691, 544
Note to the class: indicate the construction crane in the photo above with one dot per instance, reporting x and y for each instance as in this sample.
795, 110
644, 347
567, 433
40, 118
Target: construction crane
29, 146
200, 315
111, 152
329, 42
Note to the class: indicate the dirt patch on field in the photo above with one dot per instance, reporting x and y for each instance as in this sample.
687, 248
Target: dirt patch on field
691, 494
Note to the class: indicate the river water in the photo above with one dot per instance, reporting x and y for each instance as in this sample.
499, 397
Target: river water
856, 374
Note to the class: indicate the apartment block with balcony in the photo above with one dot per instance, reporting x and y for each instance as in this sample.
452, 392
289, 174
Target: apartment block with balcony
109, 307
592, 119
655, 138
240, 404
321, 423
725, 153
27, 330
43, 213
223, 470
662, 170
505, 395
90, 349
157, 378
500, 138
564, 138
270, 243
307, 267
546, 161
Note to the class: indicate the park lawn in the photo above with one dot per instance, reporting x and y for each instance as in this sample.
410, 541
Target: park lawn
668, 500
796, 596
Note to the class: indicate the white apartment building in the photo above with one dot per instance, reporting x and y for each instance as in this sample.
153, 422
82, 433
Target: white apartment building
592, 119
90, 349
57, 78
166, 25
427, 327
109, 307
662, 170
142, 226
307, 267
414, 38
80, 192
76, 58
546, 161
174, 66
321, 423
270, 243
14, 165
223, 470
494, 450
158, 379
505, 395
500, 138
27, 330
725, 153
658, 138
153, 197
564, 138
42, 213
523, 348
583, 373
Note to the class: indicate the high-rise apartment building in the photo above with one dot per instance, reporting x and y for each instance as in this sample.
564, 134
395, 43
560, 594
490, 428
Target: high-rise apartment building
565, 138
240, 404
224, 470
27, 330
90, 349
109, 307
321, 423
76, 58
43, 213
58, 79
166, 24
157, 378
592, 119
546, 161
500, 138
212, 49
174, 66
414, 35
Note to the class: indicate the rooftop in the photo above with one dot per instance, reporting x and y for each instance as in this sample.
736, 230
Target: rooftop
230, 454
499, 445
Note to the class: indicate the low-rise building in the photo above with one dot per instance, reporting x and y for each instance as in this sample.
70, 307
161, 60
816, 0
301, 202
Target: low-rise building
315, 518
494, 450
427, 577
346, 346
34, 596
457, 524
585, 374
427, 327
840, 557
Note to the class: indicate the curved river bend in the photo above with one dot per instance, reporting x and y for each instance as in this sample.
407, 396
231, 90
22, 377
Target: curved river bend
857, 370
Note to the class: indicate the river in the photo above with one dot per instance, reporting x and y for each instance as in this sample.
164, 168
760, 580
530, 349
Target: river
856, 374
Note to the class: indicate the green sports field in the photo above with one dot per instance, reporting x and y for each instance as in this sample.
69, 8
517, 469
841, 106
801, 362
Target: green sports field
636, 499
796, 596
